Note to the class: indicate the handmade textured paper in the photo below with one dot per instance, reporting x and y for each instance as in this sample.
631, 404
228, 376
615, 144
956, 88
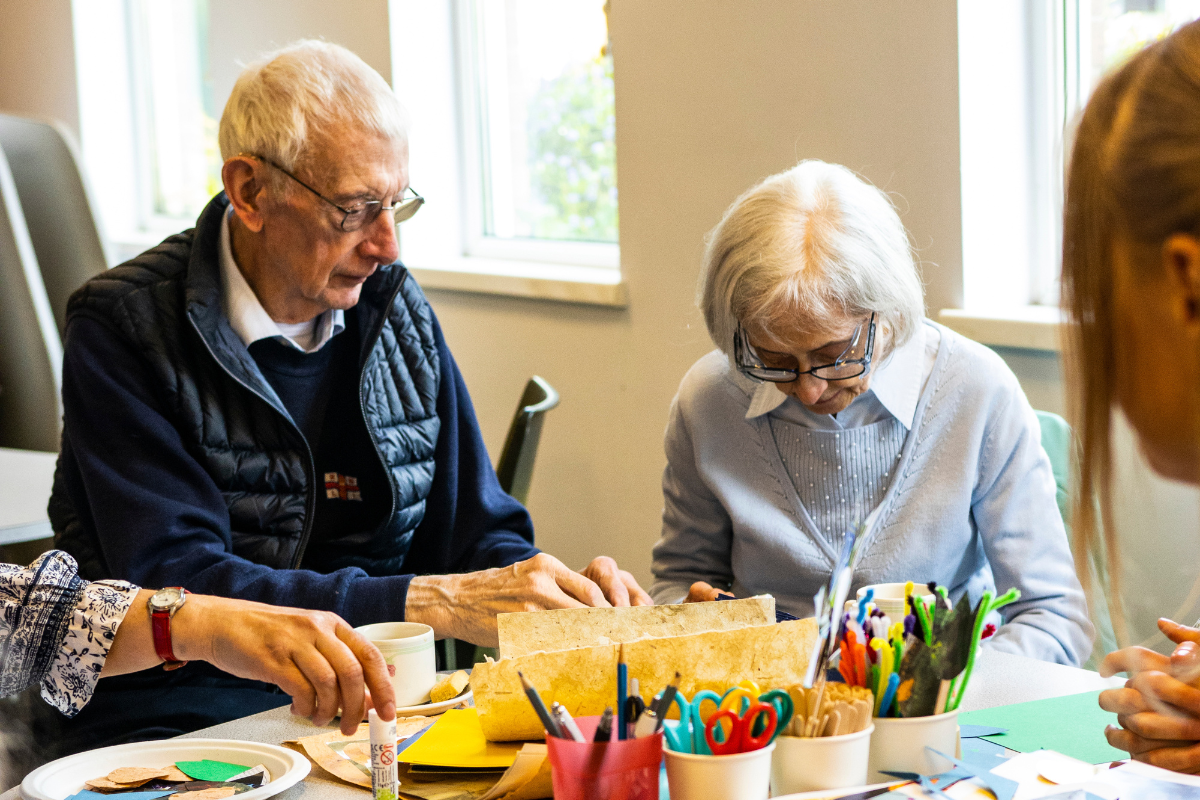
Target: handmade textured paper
585, 680
1072, 725
570, 628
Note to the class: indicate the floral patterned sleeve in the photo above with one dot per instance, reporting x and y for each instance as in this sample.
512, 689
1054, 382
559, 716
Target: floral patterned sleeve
56, 629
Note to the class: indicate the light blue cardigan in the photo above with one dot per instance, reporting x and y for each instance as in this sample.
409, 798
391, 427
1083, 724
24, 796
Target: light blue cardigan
972, 504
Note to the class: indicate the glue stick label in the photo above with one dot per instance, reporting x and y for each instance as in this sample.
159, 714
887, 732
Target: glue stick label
384, 783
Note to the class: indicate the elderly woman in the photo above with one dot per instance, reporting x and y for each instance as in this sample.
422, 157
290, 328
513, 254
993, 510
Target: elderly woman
830, 401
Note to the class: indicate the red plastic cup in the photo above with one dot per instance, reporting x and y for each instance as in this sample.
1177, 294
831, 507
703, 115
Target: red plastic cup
619, 770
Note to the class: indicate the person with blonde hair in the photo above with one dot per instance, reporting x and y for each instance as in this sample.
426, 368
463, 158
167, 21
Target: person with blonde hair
830, 402
264, 407
1131, 290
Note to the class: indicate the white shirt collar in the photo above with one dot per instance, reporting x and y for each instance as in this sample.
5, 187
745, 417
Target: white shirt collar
249, 319
896, 384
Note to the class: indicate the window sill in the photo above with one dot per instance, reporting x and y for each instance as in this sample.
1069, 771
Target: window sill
1024, 327
567, 284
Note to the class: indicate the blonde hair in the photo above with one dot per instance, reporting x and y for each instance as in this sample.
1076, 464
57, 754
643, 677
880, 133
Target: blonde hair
309, 87
1134, 173
806, 247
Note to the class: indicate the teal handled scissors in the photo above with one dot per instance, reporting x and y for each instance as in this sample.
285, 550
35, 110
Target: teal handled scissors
687, 736
741, 738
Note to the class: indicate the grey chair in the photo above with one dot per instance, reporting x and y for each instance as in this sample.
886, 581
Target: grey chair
30, 347
515, 471
58, 210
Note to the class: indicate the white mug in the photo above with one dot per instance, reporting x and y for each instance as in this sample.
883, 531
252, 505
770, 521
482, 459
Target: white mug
407, 648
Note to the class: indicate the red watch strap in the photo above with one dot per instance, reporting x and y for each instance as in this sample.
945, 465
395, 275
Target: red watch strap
160, 626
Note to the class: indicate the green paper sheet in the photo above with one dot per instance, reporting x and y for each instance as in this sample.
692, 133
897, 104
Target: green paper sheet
1072, 725
208, 770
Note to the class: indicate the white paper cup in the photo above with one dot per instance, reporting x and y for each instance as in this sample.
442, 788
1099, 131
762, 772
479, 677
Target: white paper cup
821, 762
407, 647
742, 776
889, 598
898, 744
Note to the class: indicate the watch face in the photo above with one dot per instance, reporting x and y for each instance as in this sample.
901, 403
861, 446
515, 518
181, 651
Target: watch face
166, 598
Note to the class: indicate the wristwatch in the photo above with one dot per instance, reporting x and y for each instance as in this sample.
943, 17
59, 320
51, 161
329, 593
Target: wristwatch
163, 604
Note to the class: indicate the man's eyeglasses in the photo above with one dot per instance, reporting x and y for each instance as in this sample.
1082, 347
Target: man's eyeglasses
855, 360
364, 213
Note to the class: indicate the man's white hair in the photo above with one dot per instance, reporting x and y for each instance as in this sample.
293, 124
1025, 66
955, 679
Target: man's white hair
804, 248
308, 88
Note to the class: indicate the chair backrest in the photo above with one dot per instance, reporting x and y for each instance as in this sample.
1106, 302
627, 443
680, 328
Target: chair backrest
30, 348
515, 468
58, 212
1056, 441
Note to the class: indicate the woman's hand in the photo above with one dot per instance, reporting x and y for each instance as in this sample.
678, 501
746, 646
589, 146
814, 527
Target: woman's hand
314, 656
701, 592
1158, 708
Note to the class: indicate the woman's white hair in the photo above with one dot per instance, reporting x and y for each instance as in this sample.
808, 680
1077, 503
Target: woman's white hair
309, 87
804, 249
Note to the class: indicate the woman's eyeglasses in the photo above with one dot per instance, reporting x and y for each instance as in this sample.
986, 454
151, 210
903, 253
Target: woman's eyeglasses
854, 361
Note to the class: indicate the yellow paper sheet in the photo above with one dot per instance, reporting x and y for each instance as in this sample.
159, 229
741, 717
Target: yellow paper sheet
456, 740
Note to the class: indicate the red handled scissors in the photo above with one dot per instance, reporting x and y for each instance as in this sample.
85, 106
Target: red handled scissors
740, 739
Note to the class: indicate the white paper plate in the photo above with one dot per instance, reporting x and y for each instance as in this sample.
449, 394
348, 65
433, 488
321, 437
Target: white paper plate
66, 776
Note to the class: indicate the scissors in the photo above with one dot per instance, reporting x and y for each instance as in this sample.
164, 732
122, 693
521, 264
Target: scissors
741, 738
688, 735
747, 693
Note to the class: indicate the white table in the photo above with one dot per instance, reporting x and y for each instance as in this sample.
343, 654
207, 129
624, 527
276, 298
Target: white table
26, 477
999, 679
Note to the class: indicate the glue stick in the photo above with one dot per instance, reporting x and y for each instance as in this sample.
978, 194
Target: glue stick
384, 783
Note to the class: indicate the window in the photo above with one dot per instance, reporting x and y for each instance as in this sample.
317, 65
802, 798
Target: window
148, 132
1026, 70
513, 142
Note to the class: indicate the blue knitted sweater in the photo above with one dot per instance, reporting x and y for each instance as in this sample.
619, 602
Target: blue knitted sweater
971, 503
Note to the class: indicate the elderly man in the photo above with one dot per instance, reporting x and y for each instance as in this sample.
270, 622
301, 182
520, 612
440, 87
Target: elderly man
264, 407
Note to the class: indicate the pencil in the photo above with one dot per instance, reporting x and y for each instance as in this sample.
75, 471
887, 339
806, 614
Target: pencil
664, 703
548, 722
622, 691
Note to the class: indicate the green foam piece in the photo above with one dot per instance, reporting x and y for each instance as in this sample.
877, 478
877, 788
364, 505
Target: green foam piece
208, 770
1072, 725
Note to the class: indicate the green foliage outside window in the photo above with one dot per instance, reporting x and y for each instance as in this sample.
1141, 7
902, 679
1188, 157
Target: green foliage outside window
573, 155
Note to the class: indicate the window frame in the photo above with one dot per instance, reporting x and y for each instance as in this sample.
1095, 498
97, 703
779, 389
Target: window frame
440, 245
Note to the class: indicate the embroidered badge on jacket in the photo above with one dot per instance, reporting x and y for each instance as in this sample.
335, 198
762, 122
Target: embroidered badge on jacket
341, 487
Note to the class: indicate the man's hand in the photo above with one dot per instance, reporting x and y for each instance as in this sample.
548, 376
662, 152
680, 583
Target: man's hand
1158, 708
465, 606
619, 586
314, 656
701, 592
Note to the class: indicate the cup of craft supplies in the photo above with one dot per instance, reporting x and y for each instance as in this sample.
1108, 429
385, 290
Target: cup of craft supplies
828, 748
726, 754
889, 597
916, 667
606, 770
407, 648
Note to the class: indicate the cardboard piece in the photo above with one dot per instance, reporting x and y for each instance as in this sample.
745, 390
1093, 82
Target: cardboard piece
570, 628
585, 680
457, 740
209, 770
1072, 725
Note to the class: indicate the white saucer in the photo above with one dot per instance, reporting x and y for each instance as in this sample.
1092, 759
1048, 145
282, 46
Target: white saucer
436, 708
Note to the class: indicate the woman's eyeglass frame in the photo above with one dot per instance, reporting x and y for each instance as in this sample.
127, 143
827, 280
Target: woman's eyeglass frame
367, 212
749, 364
